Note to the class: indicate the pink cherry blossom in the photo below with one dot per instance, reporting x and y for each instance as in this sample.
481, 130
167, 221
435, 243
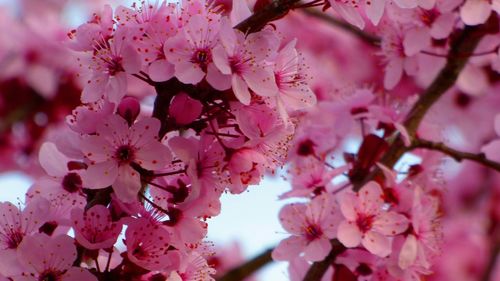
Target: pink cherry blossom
366, 222
116, 148
94, 228
312, 226
47, 257
192, 268
148, 246
109, 63
244, 59
294, 92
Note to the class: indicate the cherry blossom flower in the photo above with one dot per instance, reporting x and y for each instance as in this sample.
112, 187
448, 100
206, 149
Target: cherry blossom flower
294, 92
15, 225
117, 148
50, 258
311, 225
244, 60
192, 268
366, 222
94, 228
191, 52
148, 246
64, 184
109, 64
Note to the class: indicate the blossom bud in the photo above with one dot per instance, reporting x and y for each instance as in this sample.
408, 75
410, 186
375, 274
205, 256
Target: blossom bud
129, 108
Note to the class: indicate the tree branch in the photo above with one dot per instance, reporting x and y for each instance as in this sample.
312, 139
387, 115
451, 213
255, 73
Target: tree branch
273, 11
465, 43
366, 37
248, 268
459, 156
318, 269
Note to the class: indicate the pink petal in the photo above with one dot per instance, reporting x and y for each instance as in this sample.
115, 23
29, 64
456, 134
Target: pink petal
292, 218
491, 150
393, 73
416, 39
443, 25
221, 60
350, 14
261, 81
289, 248
188, 73
78, 274
347, 203
374, 10
52, 160
127, 184
116, 87
349, 234
144, 131
371, 198
475, 12
408, 253
94, 88
377, 244
131, 59
217, 79
390, 223
153, 156
317, 250
40, 252
100, 175
115, 130
239, 12
184, 149
161, 70
240, 89
96, 148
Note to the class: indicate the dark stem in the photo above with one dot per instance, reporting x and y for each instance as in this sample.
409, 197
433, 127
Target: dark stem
366, 37
459, 156
273, 11
465, 43
248, 268
318, 269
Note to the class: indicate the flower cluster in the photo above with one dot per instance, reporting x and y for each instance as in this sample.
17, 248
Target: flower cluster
183, 102
222, 118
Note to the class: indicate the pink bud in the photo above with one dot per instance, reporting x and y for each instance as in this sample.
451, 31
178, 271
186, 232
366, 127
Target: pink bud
129, 109
184, 109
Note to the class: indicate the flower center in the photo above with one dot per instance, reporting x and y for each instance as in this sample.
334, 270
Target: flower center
364, 222
125, 154
72, 182
14, 238
50, 275
313, 232
202, 57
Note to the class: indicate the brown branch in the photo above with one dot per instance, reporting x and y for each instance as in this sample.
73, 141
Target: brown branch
248, 268
273, 11
459, 156
366, 37
465, 42
318, 269
492, 261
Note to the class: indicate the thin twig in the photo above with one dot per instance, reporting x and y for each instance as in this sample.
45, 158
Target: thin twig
366, 37
273, 11
248, 268
465, 43
459, 156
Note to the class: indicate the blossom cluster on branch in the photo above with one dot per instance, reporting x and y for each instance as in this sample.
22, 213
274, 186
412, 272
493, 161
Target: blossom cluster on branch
183, 102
